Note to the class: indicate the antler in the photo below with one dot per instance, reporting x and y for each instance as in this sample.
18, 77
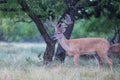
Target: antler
50, 23
67, 20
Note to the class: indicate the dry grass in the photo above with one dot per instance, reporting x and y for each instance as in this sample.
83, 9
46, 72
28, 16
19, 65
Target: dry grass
57, 73
20, 62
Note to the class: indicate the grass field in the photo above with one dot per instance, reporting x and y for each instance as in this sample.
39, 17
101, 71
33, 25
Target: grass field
19, 61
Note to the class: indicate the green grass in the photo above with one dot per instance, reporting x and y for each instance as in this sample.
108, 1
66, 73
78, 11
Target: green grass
19, 61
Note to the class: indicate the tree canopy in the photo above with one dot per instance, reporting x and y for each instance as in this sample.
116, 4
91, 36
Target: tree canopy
99, 15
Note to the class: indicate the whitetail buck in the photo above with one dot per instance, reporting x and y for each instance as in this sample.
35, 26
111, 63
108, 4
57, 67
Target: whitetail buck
77, 47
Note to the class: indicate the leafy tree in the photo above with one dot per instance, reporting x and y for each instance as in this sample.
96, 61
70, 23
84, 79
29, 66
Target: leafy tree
37, 11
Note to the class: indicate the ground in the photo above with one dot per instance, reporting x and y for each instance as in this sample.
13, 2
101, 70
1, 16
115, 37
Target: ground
20, 61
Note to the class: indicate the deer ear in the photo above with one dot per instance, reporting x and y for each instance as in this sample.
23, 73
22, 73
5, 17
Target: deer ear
63, 30
58, 25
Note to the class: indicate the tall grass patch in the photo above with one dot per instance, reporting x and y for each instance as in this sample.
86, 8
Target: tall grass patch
20, 61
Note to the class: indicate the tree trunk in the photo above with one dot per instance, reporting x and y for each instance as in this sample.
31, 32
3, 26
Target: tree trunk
116, 37
1, 35
49, 52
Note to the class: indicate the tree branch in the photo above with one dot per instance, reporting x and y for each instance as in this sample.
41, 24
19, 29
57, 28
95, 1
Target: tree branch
8, 9
23, 20
37, 21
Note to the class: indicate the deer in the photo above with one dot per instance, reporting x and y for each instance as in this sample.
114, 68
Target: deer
82, 46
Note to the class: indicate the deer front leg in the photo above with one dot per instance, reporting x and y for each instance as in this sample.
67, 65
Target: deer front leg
76, 58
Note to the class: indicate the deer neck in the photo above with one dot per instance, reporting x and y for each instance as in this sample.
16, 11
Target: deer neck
64, 42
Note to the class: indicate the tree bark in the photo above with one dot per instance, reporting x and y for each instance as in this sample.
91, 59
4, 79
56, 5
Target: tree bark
116, 37
49, 52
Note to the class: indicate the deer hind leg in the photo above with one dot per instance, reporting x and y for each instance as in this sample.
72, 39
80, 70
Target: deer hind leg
76, 59
108, 60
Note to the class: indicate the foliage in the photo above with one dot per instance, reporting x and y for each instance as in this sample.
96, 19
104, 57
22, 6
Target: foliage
93, 27
18, 31
94, 18
17, 26
42, 8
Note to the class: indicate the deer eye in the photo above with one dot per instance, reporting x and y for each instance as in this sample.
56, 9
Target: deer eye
58, 33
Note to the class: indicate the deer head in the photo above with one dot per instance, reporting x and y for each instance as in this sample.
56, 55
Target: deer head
60, 28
